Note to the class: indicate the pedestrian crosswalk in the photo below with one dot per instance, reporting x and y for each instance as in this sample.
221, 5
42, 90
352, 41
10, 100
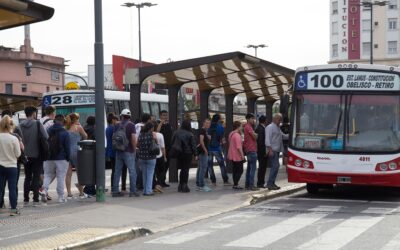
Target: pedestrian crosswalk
286, 226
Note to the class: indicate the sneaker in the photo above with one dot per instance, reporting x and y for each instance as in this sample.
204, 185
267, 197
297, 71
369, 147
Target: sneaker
134, 194
273, 187
83, 196
158, 188
165, 185
62, 200
119, 194
36, 203
14, 212
252, 188
43, 196
42, 191
49, 197
237, 187
227, 183
148, 194
276, 186
70, 196
205, 189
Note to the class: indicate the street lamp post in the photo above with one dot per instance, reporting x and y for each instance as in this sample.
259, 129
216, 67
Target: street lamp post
370, 5
139, 6
255, 47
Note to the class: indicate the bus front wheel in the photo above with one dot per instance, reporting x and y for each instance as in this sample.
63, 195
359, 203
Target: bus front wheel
312, 188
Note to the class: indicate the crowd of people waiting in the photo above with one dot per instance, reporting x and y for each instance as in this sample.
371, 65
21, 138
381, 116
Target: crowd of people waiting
48, 148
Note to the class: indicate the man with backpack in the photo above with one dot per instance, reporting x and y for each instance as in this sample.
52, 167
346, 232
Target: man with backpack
57, 164
48, 120
216, 131
124, 143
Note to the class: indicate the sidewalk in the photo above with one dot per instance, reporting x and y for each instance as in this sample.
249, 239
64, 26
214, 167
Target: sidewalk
52, 225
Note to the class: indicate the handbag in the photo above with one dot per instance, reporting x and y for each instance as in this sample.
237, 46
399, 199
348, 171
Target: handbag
43, 145
176, 148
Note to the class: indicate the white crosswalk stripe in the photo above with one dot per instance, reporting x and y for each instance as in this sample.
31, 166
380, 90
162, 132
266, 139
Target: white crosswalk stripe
179, 238
268, 235
341, 234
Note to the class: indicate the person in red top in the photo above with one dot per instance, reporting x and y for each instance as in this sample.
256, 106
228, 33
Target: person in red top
235, 154
250, 149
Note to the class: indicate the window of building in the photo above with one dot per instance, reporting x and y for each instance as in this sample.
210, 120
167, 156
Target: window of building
366, 48
335, 50
47, 89
334, 8
55, 76
366, 25
24, 88
57, 88
392, 24
392, 4
335, 30
392, 47
9, 88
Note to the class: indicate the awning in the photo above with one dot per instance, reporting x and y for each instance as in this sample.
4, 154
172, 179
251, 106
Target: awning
15, 13
17, 102
230, 73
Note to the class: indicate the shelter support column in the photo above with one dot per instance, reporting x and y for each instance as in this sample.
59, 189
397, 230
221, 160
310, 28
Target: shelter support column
268, 110
135, 103
229, 124
204, 95
251, 105
173, 91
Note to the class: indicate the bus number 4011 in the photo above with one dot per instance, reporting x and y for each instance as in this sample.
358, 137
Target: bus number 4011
326, 81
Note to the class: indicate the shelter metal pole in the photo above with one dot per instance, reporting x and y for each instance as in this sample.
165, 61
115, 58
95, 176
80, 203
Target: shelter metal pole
173, 91
99, 100
268, 110
251, 105
204, 95
229, 124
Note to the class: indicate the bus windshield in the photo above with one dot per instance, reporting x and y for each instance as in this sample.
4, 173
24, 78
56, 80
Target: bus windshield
346, 122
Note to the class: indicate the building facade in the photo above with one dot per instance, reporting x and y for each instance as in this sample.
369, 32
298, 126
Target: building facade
350, 32
13, 78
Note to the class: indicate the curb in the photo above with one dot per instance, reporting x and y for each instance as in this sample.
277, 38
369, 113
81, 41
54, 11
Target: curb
266, 195
108, 239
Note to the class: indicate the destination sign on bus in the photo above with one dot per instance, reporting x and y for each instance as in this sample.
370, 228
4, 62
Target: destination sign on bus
348, 80
68, 99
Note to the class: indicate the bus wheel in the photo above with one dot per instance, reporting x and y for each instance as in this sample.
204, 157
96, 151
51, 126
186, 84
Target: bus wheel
312, 188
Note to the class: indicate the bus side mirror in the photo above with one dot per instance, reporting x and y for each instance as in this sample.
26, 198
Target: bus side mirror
284, 105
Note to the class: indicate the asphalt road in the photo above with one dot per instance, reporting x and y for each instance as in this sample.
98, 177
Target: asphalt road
343, 218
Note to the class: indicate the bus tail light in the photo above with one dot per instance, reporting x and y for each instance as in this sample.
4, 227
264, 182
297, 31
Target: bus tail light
296, 161
388, 166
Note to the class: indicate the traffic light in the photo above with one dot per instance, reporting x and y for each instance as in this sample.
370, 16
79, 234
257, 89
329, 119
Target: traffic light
28, 69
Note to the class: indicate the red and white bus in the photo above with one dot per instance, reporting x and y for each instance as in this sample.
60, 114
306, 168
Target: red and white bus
345, 126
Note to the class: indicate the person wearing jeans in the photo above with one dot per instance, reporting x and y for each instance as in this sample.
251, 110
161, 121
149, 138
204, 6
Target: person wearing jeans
250, 147
126, 156
216, 132
274, 143
147, 158
10, 150
235, 154
203, 157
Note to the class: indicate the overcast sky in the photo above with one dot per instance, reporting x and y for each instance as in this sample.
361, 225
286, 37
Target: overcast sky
296, 31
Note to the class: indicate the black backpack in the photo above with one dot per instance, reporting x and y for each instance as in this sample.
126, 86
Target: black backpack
119, 140
54, 144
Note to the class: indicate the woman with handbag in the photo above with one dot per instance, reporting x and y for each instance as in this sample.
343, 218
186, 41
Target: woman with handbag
147, 154
235, 154
10, 150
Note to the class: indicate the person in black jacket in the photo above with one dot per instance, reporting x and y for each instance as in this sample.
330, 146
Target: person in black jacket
185, 135
261, 151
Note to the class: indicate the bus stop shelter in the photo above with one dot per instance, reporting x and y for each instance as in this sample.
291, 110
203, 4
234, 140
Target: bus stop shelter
17, 102
229, 74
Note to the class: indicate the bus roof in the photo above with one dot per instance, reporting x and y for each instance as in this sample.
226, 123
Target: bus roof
114, 95
348, 66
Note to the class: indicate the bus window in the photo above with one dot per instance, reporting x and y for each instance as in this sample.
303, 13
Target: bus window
109, 106
84, 112
155, 109
116, 107
145, 108
164, 106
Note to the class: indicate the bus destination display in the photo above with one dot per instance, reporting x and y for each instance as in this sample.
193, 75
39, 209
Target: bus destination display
69, 99
348, 80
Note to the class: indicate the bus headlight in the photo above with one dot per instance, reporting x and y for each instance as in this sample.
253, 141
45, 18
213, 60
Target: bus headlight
383, 166
306, 164
392, 166
297, 163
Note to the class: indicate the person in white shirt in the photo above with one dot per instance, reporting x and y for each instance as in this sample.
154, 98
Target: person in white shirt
10, 150
160, 163
48, 120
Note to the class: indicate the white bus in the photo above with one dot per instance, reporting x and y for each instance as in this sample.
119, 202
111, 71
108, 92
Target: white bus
83, 102
345, 126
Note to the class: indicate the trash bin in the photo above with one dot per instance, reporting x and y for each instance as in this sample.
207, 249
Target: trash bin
86, 169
